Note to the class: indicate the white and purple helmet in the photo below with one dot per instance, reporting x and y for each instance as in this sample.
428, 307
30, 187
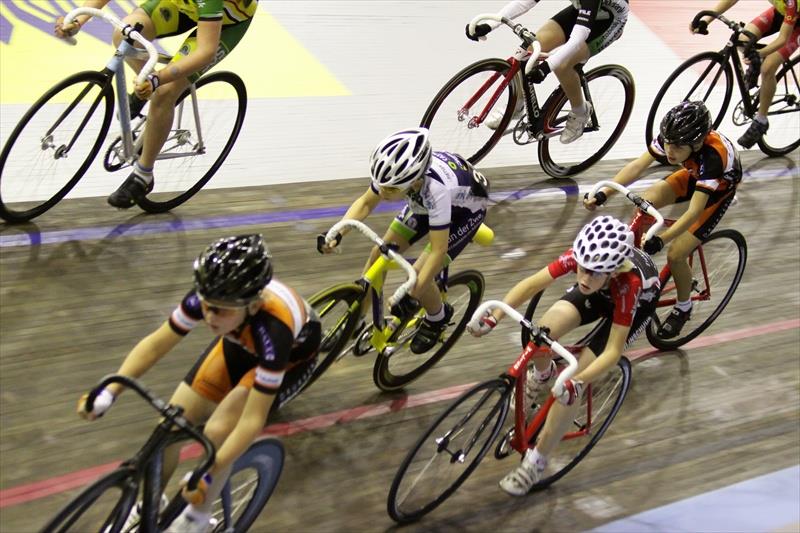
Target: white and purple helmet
401, 158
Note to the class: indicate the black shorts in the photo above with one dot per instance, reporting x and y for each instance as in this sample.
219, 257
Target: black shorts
592, 307
603, 32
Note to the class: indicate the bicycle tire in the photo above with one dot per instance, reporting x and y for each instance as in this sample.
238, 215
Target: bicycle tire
497, 412
388, 379
619, 386
160, 202
8, 211
721, 264
119, 478
791, 88
495, 65
554, 118
655, 113
336, 338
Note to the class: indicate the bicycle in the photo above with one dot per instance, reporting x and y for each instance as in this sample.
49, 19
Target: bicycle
450, 450
105, 505
717, 265
340, 307
59, 137
481, 85
717, 70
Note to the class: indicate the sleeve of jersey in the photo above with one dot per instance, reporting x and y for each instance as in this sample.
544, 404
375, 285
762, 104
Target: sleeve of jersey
210, 10
790, 17
273, 341
186, 316
563, 265
440, 213
626, 293
514, 9
656, 147
709, 172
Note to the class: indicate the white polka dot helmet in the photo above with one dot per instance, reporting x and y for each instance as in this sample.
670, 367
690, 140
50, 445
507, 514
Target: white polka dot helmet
603, 244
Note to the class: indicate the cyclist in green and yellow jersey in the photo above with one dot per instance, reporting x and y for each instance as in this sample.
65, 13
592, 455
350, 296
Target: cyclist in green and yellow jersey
216, 27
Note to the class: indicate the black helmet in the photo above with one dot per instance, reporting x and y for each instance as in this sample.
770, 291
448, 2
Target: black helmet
233, 270
687, 123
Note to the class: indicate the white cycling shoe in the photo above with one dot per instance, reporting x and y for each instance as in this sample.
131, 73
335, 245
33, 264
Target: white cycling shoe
535, 386
573, 130
187, 524
496, 116
519, 481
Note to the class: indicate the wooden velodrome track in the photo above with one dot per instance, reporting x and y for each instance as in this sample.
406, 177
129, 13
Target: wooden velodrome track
85, 283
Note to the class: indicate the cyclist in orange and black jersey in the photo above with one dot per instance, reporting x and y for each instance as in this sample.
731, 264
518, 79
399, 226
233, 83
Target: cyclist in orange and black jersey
264, 353
217, 26
710, 174
781, 18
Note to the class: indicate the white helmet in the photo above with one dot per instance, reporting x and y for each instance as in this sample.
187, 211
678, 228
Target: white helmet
603, 244
401, 158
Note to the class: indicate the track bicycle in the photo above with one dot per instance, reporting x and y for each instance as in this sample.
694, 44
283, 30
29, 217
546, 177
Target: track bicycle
450, 450
56, 141
709, 77
457, 114
340, 310
105, 505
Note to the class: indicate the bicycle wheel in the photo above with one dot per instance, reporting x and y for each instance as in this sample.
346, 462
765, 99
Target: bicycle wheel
783, 135
53, 144
448, 451
452, 115
701, 77
339, 309
600, 404
612, 92
103, 506
253, 480
398, 366
717, 268
195, 149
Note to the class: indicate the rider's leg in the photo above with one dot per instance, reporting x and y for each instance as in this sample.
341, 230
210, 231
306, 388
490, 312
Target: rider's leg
148, 31
392, 236
159, 120
660, 194
561, 318
677, 257
769, 81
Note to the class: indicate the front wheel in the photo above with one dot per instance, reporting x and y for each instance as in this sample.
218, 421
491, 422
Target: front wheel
448, 452
717, 267
208, 118
611, 90
707, 77
103, 506
783, 135
397, 366
53, 144
454, 114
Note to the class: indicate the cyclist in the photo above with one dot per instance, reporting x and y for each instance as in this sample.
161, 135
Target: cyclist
616, 282
708, 180
781, 18
447, 201
264, 352
218, 26
585, 28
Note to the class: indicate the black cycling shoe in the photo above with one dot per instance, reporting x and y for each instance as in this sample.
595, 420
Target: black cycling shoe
673, 325
429, 333
753, 134
130, 192
135, 104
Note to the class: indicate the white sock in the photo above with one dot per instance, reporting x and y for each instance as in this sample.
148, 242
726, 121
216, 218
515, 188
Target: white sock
543, 375
580, 109
143, 172
196, 516
684, 306
533, 457
762, 119
436, 317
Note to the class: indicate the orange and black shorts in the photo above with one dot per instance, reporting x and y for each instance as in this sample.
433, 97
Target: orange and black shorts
684, 186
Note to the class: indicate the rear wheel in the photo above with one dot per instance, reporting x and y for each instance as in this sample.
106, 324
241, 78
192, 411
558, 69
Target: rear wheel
717, 268
783, 135
397, 366
453, 115
449, 451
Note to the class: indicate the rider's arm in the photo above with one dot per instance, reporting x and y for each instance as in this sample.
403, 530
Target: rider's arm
362, 207
525, 289
587, 14
247, 428
721, 7
606, 360
81, 20
782, 38
631, 172
434, 260
514, 9
146, 354
208, 33
696, 206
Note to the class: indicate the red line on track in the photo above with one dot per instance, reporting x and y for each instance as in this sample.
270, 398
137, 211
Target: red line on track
56, 485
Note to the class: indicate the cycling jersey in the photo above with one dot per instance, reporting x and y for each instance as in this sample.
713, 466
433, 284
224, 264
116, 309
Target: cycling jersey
228, 11
787, 9
770, 22
269, 336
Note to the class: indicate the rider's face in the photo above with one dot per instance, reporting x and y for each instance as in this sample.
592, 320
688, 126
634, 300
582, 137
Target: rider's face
590, 281
222, 320
392, 193
677, 153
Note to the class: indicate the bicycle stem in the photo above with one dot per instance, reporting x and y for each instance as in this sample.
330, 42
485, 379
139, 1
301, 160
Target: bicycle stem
637, 200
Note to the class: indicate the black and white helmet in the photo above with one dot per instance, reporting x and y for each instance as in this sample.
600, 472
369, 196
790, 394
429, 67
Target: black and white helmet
401, 158
603, 244
233, 270
686, 124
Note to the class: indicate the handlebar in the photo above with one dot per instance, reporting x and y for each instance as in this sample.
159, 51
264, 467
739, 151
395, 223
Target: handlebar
527, 36
385, 250
702, 26
637, 200
126, 29
167, 411
539, 336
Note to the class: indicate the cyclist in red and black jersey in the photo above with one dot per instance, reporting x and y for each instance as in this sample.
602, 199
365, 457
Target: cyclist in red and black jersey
781, 18
708, 179
615, 282
265, 351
